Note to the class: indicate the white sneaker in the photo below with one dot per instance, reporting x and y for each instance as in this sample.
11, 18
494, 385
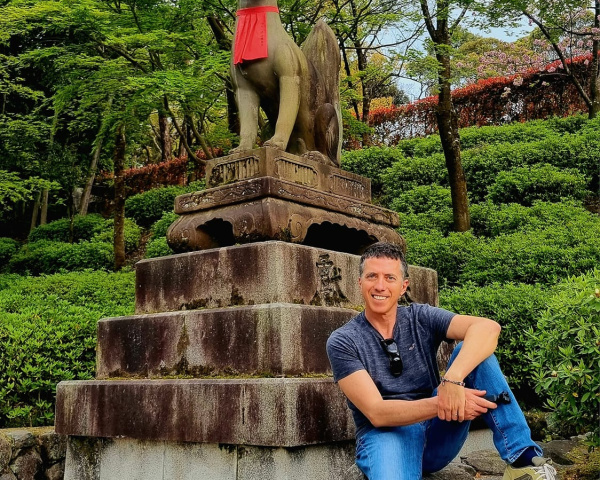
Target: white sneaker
541, 469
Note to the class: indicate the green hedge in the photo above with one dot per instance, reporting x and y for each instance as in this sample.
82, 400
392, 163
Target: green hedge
160, 227
132, 233
158, 248
483, 164
84, 228
48, 334
474, 137
565, 350
543, 244
8, 247
547, 183
51, 257
148, 207
372, 163
516, 307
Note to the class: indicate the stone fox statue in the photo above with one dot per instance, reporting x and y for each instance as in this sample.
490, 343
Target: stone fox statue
298, 88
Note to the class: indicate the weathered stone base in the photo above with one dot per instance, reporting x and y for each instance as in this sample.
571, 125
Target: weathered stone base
110, 459
260, 273
268, 340
286, 412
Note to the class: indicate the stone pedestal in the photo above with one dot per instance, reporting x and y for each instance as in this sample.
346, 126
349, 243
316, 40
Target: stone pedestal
267, 194
222, 372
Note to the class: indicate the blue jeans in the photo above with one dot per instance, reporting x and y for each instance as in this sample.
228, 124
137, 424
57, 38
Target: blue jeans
405, 453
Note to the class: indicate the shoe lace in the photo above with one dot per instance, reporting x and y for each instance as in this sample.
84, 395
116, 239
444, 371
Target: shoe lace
546, 471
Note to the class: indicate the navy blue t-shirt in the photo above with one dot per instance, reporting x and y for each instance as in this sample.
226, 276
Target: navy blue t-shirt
418, 332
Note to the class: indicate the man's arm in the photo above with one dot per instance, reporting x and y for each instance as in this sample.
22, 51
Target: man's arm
480, 338
362, 392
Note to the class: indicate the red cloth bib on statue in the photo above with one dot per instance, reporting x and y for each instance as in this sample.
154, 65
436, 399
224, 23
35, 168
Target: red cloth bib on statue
250, 40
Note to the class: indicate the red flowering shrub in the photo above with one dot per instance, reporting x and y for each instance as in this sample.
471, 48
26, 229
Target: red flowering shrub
536, 94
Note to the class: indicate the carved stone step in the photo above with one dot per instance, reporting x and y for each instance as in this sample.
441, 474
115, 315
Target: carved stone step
279, 412
277, 339
260, 273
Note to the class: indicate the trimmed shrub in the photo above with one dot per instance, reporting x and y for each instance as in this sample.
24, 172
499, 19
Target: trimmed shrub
84, 228
8, 247
413, 172
132, 233
424, 208
446, 254
371, 162
148, 207
160, 227
48, 334
538, 256
516, 307
158, 248
565, 350
52, 257
525, 185
489, 220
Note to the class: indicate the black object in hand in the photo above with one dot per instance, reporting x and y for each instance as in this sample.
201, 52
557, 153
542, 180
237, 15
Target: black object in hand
501, 397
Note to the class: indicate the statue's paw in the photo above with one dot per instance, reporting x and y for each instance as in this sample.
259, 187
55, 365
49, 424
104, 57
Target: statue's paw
274, 143
240, 148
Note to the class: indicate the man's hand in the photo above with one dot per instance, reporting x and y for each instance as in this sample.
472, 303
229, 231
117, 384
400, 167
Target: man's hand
456, 403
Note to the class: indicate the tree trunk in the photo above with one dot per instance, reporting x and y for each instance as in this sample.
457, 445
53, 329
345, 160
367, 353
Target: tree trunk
87, 190
447, 120
166, 145
199, 137
36, 209
119, 233
44, 210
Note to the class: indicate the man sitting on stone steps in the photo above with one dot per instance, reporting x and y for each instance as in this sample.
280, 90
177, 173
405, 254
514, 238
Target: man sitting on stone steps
409, 421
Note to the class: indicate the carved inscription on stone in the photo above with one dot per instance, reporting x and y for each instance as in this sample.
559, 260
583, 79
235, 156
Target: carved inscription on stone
235, 170
296, 172
346, 186
330, 292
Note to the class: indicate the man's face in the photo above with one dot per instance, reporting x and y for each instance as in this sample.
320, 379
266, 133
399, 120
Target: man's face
381, 285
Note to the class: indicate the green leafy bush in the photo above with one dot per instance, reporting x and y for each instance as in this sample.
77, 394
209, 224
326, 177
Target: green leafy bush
547, 183
160, 227
516, 307
132, 233
489, 220
413, 172
84, 228
51, 257
48, 334
538, 256
371, 162
8, 247
474, 137
148, 207
446, 254
158, 248
424, 208
565, 350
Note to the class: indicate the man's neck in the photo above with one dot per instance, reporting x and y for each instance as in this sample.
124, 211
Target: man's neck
383, 323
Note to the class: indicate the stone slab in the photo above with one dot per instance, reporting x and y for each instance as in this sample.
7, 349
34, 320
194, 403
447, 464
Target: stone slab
270, 162
246, 190
278, 412
270, 218
148, 460
260, 273
277, 339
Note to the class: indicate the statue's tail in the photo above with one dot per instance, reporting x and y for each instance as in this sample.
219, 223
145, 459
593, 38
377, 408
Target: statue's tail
323, 55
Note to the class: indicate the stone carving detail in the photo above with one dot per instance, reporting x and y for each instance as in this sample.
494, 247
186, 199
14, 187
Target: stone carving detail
346, 186
330, 293
234, 170
296, 172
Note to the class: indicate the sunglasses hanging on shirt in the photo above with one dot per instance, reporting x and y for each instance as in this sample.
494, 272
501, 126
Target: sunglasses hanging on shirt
391, 349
